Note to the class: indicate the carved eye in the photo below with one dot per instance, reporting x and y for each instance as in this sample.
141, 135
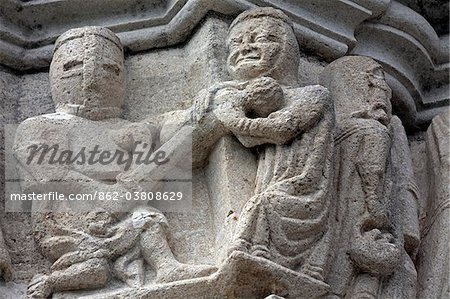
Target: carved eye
72, 65
378, 73
112, 68
261, 38
235, 41
264, 38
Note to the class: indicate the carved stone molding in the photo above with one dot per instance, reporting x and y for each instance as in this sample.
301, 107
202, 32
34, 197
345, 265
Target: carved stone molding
415, 57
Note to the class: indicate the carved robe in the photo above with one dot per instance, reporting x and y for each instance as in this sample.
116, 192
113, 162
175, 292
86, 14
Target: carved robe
289, 212
365, 143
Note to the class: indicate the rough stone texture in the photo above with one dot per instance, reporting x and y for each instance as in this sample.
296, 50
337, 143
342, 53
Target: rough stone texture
433, 257
418, 152
87, 82
169, 79
268, 128
8, 108
34, 96
22, 97
377, 215
388, 31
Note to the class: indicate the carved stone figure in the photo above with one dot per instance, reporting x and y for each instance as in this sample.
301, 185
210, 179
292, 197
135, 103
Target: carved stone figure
328, 208
285, 222
377, 211
86, 243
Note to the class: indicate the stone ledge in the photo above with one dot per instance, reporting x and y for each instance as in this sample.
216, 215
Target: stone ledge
264, 277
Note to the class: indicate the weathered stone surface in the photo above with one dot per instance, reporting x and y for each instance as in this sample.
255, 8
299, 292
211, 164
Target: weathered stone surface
8, 108
299, 190
388, 31
433, 257
377, 216
87, 80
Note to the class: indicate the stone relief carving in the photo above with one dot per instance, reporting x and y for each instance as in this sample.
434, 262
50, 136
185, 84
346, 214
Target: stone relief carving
286, 220
302, 232
435, 233
87, 80
377, 197
285, 223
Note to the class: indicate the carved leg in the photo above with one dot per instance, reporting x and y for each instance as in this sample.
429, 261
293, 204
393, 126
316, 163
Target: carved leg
316, 262
252, 231
371, 166
130, 268
156, 251
91, 274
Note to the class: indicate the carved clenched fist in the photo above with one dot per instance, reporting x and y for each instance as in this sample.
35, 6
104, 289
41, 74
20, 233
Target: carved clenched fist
264, 96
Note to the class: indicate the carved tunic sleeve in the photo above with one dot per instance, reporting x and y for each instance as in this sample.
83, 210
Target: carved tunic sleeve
304, 110
47, 176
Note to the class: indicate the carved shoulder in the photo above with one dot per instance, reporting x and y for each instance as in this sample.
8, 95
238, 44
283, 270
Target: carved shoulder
309, 100
313, 94
44, 127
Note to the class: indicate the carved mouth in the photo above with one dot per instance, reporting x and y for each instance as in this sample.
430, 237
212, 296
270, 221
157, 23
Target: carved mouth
247, 58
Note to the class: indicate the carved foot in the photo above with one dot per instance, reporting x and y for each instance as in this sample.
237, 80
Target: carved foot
312, 271
181, 271
39, 287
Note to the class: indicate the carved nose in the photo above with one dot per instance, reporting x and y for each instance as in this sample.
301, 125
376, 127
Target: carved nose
246, 48
89, 73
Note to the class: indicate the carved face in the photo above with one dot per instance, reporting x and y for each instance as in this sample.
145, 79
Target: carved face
98, 221
379, 96
255, 47
87, 77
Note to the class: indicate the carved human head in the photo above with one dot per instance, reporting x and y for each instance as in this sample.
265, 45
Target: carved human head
358, 86
98, 221
261, 42
87, 74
